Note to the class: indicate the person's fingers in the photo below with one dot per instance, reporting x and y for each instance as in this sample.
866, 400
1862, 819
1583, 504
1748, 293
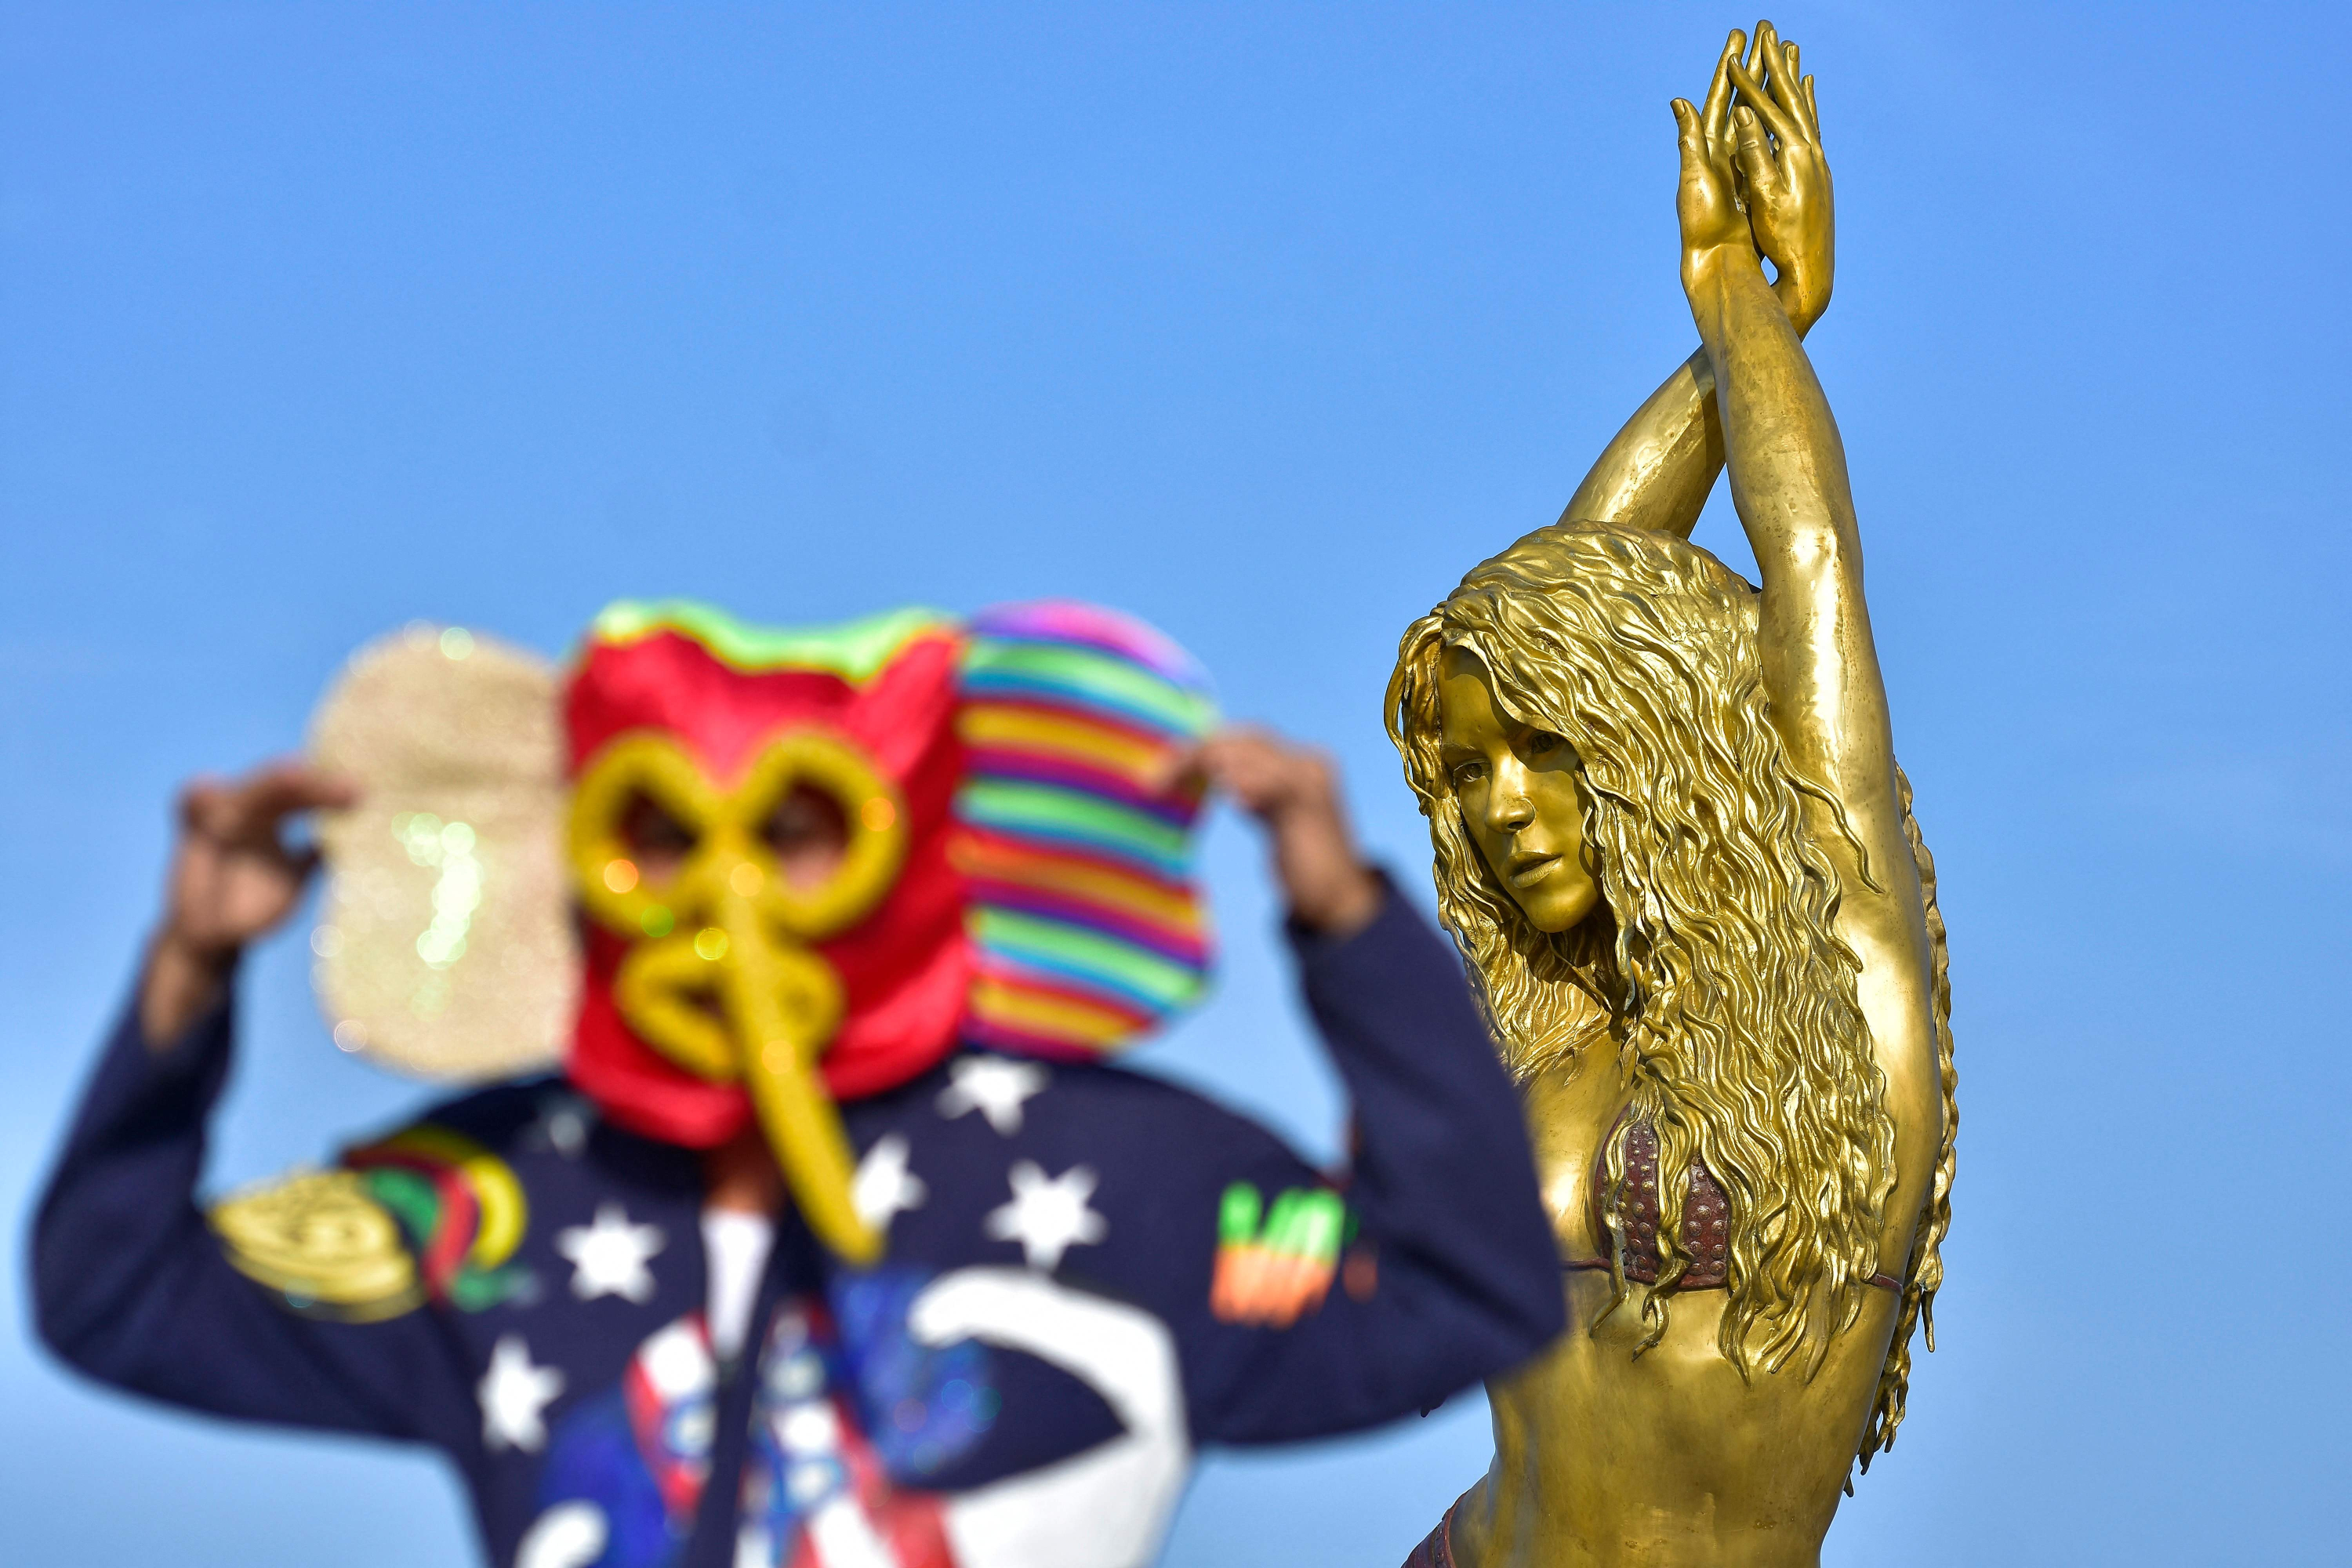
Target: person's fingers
1235, 748
1255, 793
1688, 131
248, 813
1244, 762
281, 790
1246, 782
1753, 97
1777, 79
1755, 157
1758, 60
1266, 774
1789, 92
201, 802
1719, 152
1238, 735
1715, 116
1812, 112
1178, 769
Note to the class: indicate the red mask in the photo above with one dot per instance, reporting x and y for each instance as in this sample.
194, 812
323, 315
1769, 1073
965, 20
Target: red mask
961, 881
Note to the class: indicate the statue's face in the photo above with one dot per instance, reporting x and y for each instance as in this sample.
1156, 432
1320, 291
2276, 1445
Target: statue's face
1518, 790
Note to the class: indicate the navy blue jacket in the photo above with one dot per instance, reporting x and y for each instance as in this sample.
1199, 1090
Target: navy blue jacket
1089, 1274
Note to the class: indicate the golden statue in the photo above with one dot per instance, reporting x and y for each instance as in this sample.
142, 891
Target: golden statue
1675, 848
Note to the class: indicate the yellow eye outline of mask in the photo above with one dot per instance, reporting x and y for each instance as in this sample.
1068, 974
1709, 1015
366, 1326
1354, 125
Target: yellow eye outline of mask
726, 926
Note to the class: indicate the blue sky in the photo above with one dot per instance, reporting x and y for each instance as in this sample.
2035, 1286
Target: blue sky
1265, 323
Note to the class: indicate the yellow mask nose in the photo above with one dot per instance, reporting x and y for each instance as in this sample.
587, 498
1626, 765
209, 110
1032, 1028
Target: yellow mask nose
721, 977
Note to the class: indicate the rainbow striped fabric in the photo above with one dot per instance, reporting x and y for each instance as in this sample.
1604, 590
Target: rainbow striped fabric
1075, 844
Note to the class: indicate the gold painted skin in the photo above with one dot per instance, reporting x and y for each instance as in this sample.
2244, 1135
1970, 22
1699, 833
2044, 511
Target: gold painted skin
1668, 1456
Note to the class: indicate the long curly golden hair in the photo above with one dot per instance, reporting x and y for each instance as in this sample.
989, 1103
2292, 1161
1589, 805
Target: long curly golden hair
1714, 964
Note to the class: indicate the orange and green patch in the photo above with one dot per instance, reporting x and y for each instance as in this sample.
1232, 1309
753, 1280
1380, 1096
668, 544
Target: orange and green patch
1275, 1264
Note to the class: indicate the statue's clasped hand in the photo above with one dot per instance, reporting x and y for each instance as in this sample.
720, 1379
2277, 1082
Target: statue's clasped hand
1754, 178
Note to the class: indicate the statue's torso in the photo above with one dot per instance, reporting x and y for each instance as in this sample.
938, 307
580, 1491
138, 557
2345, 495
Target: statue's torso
1663, 1460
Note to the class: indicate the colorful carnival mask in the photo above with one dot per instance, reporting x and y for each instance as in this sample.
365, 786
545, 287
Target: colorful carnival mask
1012, 864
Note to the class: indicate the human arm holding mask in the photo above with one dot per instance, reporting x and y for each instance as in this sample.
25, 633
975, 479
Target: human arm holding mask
130, 1283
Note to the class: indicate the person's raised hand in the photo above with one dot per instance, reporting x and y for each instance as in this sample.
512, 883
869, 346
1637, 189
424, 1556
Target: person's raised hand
1293, 792
1784, 177
1715, 228
233, 879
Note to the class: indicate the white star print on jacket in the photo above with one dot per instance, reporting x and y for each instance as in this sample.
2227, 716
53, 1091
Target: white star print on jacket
608, 1255
994, 1085
515, 1396
884, 1187
1049, 1216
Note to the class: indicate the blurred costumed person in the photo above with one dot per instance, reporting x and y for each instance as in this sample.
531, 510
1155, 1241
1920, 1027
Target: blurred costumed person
835, 1240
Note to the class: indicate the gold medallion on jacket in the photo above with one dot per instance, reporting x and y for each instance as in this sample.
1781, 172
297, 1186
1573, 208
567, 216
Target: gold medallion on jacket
322, 1241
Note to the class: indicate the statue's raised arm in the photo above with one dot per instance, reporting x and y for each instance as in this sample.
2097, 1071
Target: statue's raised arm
1788, 477
1820, 663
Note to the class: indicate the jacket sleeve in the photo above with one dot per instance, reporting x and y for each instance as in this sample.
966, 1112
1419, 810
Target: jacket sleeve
133, 1285
1436, 1267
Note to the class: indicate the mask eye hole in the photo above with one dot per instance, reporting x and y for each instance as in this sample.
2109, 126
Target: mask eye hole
808, 833
658, 842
